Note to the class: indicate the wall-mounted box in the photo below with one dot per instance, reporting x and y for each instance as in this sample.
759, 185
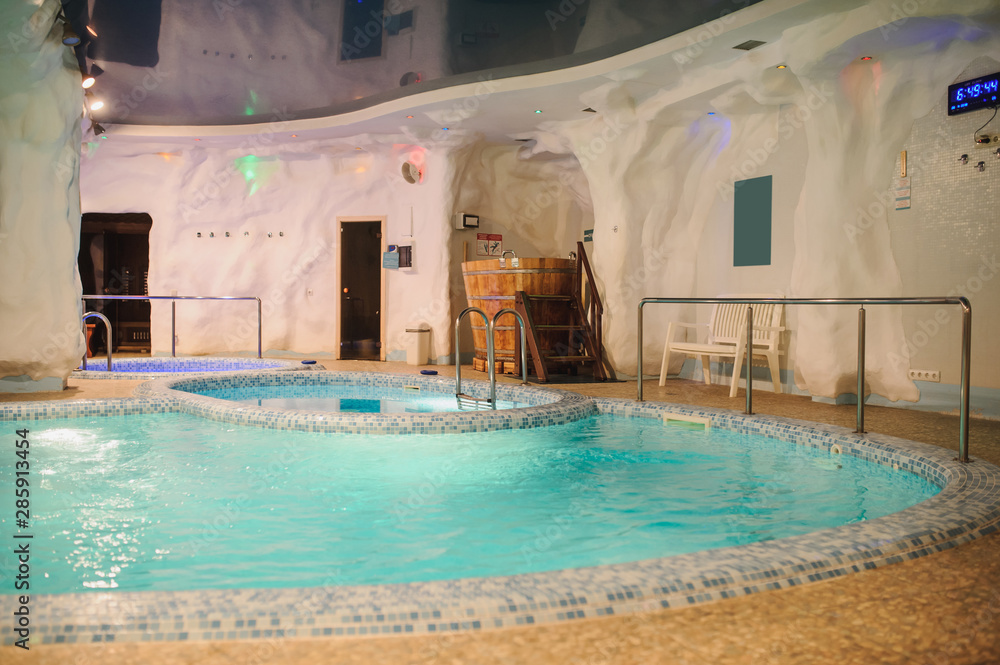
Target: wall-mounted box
464, 220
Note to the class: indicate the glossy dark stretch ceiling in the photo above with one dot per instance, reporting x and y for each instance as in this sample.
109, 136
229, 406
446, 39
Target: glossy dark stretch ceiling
238, 61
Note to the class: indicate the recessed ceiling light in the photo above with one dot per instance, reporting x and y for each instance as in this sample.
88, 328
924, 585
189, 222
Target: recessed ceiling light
197, 139
867, 57
782, 66
538, 110
711, 112
96, 105
444, 129
295, 136
409, 117
91, 31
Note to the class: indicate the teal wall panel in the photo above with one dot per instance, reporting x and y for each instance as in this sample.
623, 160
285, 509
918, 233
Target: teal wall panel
752, 222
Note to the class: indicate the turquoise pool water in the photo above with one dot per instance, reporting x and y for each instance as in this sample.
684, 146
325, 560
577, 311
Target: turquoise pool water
343, 398
173, 502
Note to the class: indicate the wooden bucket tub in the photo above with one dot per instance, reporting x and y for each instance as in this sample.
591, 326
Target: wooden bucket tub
491, 288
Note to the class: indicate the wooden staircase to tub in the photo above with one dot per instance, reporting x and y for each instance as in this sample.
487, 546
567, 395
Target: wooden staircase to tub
550, 315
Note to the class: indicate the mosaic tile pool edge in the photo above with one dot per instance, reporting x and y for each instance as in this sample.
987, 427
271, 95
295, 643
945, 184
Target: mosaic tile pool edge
968, 507
548, 407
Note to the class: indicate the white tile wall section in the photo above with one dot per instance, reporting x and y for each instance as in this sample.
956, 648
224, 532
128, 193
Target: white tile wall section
948, 242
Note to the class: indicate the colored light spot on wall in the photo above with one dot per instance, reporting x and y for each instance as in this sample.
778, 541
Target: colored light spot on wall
255, 171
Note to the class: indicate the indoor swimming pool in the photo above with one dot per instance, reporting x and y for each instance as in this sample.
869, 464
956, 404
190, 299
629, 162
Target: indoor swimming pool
164, 517
170, 502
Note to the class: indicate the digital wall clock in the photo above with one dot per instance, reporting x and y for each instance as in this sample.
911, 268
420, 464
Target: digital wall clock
975, 94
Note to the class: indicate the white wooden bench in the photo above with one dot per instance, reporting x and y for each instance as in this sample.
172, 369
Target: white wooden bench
727, 336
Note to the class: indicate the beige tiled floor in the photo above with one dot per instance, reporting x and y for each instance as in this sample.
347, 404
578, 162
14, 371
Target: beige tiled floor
943, 608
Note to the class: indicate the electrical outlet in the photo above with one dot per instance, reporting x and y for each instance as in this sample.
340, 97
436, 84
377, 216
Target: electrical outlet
931, 375
987, 140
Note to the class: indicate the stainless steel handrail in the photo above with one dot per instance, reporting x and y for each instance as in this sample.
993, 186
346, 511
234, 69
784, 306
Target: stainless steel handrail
963, 426
524, 340
173, 312
111, 337
489, 354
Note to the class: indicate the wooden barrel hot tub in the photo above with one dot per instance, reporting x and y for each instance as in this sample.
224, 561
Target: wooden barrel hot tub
491, 288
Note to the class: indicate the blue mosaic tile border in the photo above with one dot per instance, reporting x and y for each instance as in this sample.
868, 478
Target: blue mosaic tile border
81, 408
548, 407
968, 507
155, 368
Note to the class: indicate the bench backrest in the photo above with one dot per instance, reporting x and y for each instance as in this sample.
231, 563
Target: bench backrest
729, 319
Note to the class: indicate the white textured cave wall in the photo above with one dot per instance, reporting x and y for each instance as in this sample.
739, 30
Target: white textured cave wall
656, 170
295, 193
40, 105
948, 242
232, 55
539, 204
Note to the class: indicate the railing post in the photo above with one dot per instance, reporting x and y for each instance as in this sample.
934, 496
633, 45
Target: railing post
749, 410
173, 328
491, 358
86, 348
259, 354
963, 423
639, 358
861, 371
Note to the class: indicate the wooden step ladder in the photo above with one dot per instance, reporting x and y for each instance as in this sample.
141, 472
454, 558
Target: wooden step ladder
581, 325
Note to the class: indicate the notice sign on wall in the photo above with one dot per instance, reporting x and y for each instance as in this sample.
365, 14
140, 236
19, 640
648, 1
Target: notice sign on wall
489, 244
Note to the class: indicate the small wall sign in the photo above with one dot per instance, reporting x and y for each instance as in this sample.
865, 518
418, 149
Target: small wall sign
489, 244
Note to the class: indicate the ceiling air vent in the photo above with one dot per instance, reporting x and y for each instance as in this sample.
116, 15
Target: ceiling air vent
589, 110
749, 44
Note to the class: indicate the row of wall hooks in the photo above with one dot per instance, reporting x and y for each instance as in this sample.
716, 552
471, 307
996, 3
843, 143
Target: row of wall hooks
246, 234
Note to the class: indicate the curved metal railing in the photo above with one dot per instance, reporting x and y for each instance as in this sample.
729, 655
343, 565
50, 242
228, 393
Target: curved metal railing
173, 312
963, 431
111, 337
490, 354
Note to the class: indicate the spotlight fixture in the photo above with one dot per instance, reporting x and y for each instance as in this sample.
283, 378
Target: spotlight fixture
70, 38
97, 127
91, 30
90, 79
96, 105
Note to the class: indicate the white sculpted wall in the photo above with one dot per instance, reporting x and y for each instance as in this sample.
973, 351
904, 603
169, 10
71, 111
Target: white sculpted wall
279, 203
40, 106
656, 170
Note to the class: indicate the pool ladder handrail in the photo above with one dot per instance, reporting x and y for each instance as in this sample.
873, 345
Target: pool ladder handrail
111, 337
490, 356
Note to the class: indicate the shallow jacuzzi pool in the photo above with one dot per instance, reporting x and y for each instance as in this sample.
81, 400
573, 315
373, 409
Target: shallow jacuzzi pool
312, 401
151, 368
152, 518
346, 398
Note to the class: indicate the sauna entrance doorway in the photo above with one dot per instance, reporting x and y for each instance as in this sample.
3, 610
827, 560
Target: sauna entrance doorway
114, 261
361, 329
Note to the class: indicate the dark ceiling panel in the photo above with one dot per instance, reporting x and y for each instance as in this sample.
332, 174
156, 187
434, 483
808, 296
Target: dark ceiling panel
128, 31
